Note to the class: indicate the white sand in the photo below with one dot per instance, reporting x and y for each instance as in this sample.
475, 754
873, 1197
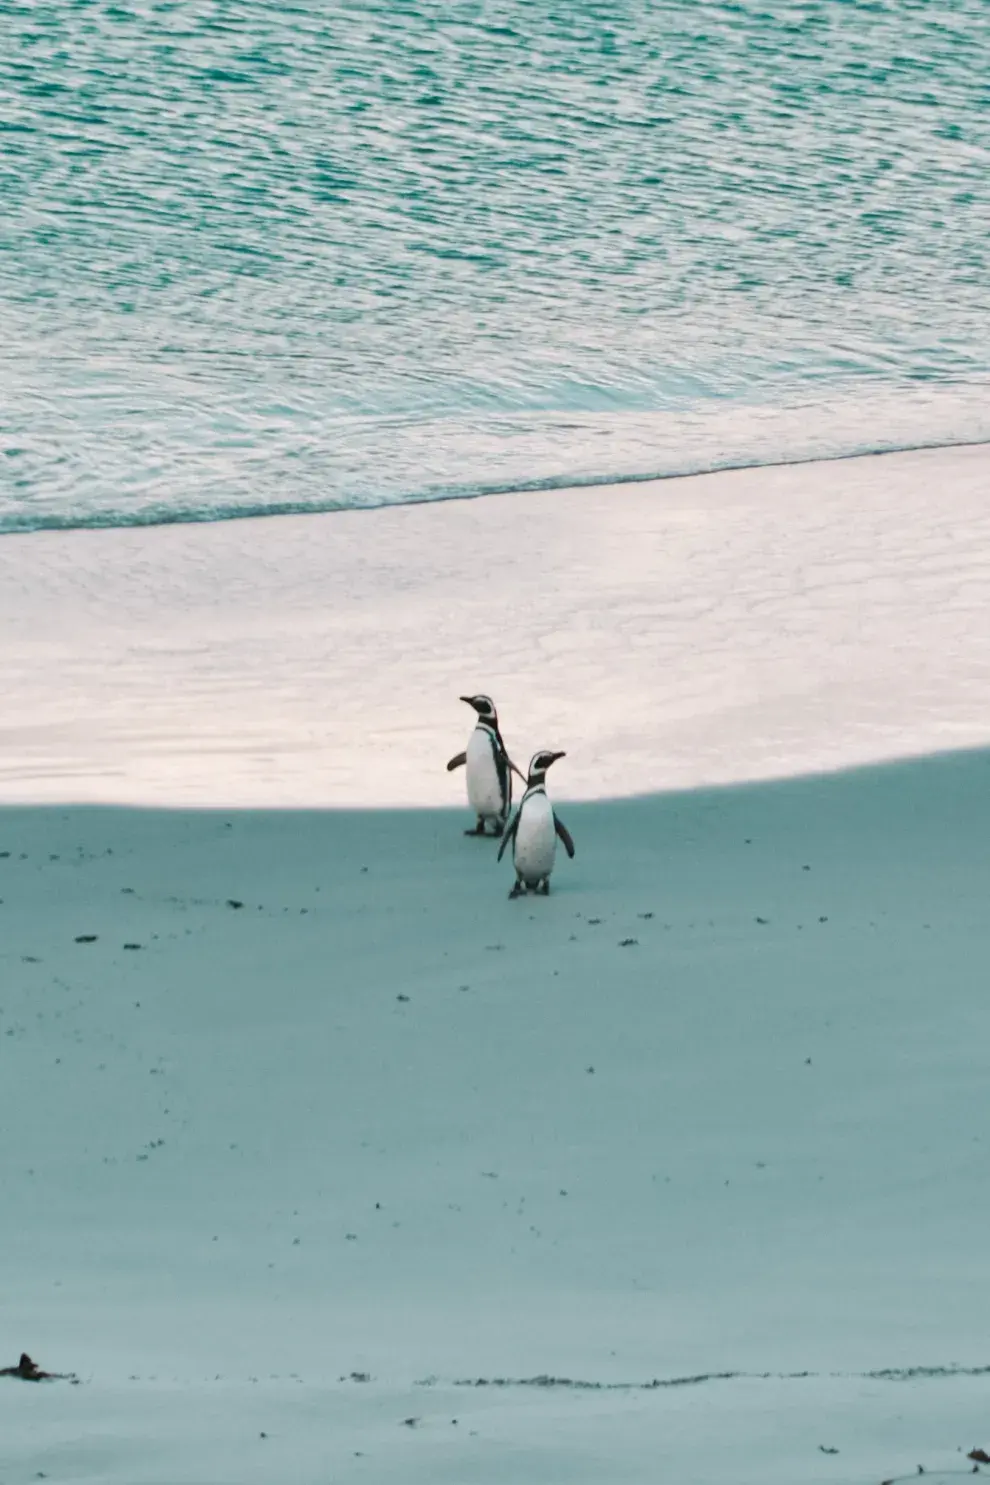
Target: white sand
238, 1168
704, 630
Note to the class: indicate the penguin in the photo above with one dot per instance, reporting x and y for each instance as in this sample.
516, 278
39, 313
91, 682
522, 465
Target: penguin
489, 769
534, 831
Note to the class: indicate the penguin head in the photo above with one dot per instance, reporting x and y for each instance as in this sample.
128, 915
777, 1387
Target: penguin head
484, 706
540, 762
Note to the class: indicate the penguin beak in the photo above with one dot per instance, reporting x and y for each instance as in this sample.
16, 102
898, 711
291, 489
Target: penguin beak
469, 700
555, 756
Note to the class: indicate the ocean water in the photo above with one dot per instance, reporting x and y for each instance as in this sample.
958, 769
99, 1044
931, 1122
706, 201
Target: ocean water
258, 257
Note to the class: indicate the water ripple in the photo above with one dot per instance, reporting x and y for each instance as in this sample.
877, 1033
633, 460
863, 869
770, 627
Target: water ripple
257, 257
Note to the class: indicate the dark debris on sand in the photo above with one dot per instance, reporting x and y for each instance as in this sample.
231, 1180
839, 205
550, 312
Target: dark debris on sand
27, 1370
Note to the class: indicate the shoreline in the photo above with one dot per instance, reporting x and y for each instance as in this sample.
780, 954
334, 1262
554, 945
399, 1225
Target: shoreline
538, 487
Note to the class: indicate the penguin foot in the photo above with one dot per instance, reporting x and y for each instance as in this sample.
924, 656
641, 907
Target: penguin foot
499, 830
544, 887
479, 829
517, 891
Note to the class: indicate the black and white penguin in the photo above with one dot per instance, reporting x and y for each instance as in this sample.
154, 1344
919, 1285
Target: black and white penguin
534, 831
489, 769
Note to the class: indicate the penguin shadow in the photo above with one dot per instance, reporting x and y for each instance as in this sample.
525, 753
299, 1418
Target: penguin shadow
533, 828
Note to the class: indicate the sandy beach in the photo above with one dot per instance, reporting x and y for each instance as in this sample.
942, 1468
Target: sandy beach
688, 632
323, 1161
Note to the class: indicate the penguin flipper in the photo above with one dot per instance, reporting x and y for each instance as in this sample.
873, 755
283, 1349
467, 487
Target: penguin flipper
565, 836
510, 832
503, 767
457, 762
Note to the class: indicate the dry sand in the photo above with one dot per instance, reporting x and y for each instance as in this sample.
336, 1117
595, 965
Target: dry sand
691, 631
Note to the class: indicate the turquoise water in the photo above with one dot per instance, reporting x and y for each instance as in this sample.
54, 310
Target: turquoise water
258, 257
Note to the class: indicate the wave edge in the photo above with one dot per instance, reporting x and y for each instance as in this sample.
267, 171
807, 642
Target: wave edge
26, 523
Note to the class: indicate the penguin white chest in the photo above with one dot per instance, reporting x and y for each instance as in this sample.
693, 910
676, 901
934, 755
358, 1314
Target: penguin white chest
535, 844
484, 788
